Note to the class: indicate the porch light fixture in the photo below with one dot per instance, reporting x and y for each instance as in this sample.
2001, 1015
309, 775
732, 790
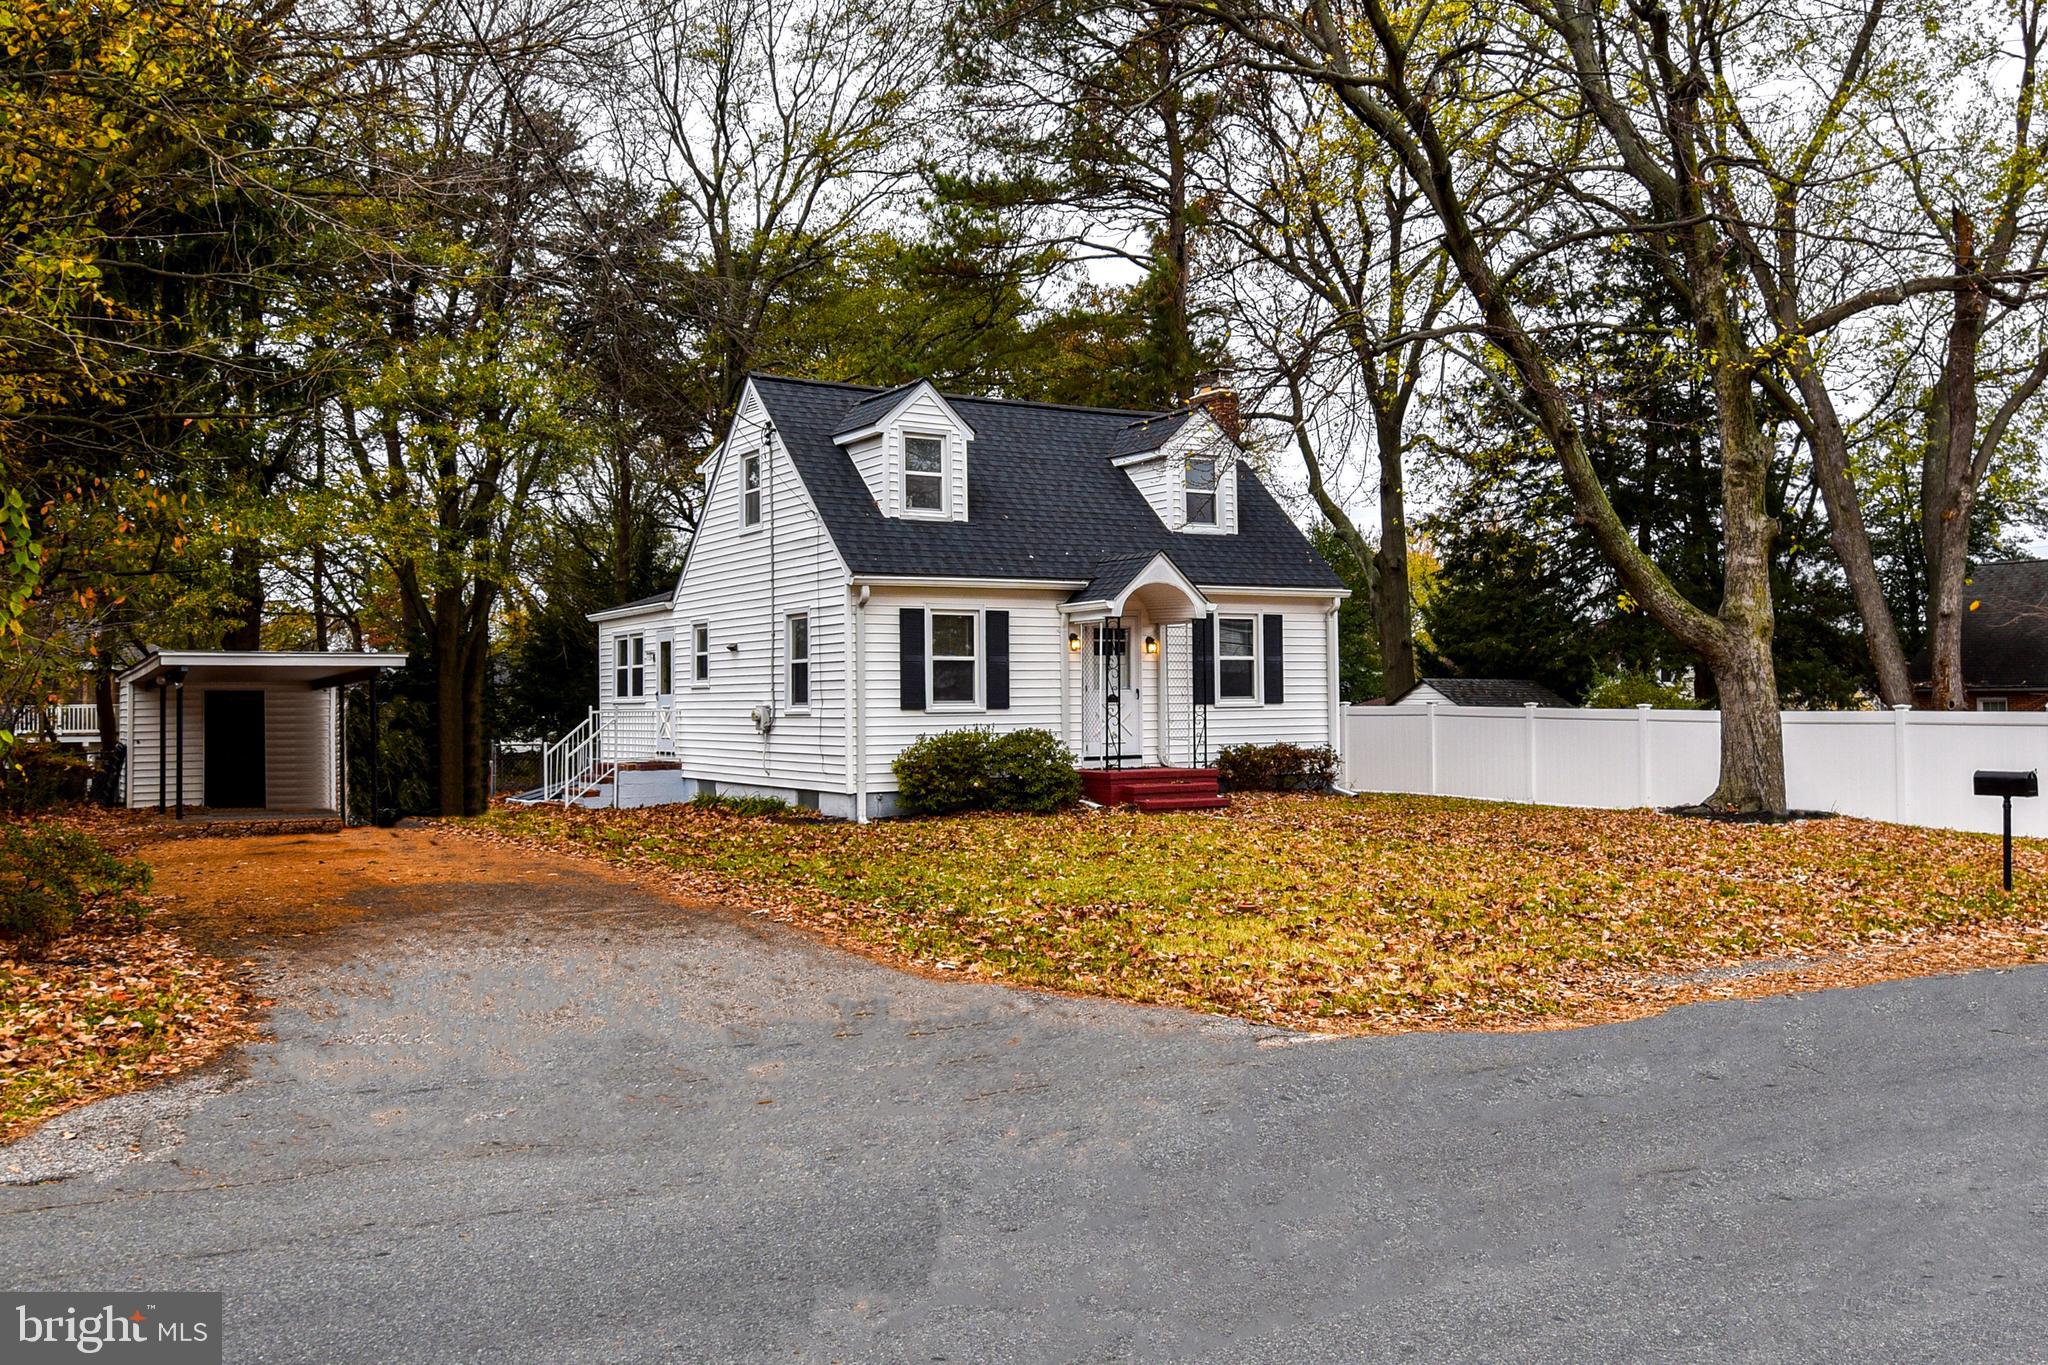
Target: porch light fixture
1151, 644
1073, 642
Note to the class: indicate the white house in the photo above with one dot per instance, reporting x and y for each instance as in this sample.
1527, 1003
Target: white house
872, 565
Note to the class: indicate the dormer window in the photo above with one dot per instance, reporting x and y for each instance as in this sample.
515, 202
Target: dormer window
1200, 480
924, 473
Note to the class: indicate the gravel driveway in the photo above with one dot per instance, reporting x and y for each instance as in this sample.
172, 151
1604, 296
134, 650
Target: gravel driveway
528, 1112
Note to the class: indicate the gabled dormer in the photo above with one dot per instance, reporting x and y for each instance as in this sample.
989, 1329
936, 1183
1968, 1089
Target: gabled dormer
910, 447
1186, 466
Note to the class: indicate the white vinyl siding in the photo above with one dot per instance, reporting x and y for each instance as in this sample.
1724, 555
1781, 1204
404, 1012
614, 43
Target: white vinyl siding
743, 598
1303, 717
1162, 478
299, 742
1038, 652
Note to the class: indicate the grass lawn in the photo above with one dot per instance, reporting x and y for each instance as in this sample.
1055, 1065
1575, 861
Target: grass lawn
1357, 914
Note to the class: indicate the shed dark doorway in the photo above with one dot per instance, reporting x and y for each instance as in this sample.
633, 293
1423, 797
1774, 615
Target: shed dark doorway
234, 750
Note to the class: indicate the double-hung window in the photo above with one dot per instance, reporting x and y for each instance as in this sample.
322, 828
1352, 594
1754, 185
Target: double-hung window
924, 473
750, 487
1201, 490
799, 643
629, 666
956, 672
700, 652
1991, 703
1237, 674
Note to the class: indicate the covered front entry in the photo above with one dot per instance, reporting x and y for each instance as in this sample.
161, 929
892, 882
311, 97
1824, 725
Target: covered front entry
234, 775
1112, 713
1134, 629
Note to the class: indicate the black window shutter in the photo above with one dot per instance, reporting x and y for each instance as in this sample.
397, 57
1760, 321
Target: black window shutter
1205, 661
910, 654
995, 626
1276, 691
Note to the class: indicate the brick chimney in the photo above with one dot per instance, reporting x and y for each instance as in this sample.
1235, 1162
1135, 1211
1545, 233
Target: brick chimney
1215, 396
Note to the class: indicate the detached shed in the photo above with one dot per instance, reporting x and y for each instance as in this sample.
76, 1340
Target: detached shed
242, 730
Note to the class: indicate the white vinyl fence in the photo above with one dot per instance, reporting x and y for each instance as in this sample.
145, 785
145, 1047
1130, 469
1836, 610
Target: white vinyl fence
1912, 767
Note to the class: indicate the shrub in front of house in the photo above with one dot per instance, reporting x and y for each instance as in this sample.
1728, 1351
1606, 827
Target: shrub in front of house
961, 770
1277, 767
742, 805
48, 877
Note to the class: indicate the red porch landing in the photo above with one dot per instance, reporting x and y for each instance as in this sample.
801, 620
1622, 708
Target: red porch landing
1153, 788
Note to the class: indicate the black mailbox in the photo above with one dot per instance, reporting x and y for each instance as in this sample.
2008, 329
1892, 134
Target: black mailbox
1991, 783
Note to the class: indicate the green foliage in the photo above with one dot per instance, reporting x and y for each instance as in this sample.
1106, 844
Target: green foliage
36, 777
958, 770
1277, 767
1620, 690
1360, 674
51, 875
742, 805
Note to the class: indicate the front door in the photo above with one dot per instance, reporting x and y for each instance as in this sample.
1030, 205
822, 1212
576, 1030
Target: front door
234, 750
1112, 721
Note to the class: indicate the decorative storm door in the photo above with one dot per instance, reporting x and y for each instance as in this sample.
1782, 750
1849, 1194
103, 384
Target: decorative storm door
1112, 720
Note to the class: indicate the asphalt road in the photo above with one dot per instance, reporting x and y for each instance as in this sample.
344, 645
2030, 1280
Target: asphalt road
564, 1121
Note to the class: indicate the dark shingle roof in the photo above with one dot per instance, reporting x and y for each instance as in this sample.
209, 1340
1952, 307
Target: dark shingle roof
1490, 692
1112, 575
652, 599
1147, 434
1044, 499
872, 408
2005, 640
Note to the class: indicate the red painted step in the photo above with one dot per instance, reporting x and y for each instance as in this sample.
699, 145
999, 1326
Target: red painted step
1153, 788
1188, 802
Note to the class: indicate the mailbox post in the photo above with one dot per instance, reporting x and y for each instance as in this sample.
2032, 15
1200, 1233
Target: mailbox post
2007, 785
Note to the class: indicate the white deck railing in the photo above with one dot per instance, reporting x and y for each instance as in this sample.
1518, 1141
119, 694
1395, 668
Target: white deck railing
72, 722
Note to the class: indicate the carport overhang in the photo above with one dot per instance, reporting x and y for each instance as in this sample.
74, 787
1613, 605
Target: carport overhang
259, 668
171, 674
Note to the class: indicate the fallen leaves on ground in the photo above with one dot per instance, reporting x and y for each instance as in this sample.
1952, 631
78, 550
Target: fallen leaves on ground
1365, 914
109, 1007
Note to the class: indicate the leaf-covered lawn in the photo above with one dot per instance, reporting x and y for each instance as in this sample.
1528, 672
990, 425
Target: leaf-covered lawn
1374, 912
107, 1011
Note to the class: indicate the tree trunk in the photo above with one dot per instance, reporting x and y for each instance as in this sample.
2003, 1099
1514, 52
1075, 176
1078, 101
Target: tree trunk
1850, 537
1392, 609
245, 572
1752, 732
1948, 483
450, 695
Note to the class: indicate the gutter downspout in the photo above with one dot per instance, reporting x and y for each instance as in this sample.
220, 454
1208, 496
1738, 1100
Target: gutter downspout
1336, 683
856, 709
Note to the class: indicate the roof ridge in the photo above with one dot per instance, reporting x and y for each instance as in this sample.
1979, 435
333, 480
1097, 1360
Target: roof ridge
872, 390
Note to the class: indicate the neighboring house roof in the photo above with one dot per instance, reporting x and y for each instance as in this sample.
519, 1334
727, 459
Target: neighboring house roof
2005, 640
1488, 692
1044, 500
658, 599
